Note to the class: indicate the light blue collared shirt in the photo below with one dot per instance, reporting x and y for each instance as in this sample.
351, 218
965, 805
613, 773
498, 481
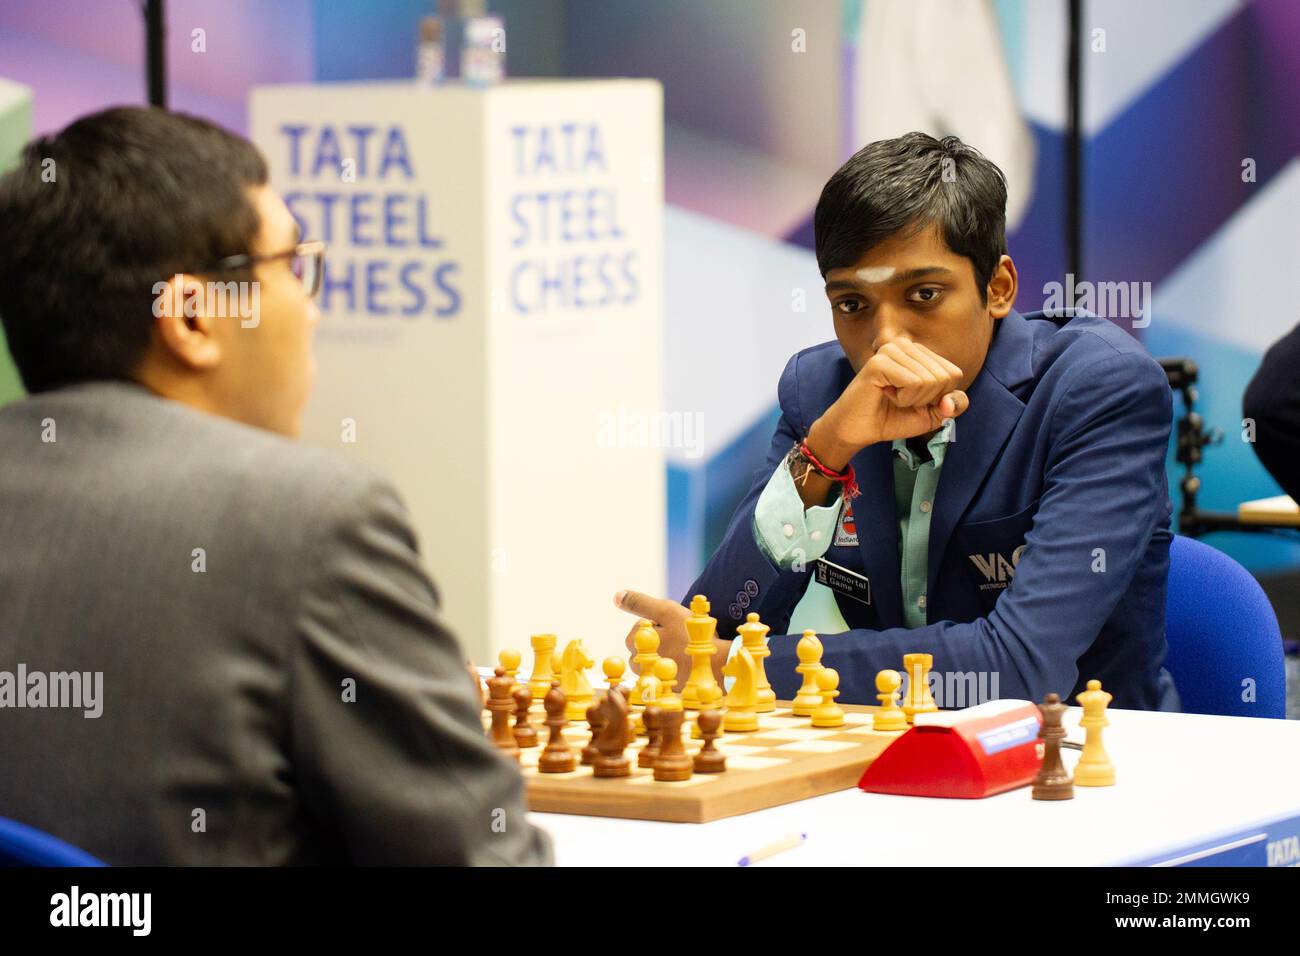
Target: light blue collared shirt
787, 532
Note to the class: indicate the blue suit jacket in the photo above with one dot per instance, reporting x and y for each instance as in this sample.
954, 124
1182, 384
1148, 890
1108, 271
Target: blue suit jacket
1062, 450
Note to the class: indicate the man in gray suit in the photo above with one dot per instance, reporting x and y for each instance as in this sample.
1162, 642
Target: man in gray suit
217, 646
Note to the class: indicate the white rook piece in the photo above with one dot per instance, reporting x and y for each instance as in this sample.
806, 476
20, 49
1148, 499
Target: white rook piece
491, 331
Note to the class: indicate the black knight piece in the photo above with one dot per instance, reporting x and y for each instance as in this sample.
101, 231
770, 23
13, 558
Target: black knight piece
615, 735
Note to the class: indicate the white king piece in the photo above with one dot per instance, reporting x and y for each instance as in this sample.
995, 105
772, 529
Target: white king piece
700, 628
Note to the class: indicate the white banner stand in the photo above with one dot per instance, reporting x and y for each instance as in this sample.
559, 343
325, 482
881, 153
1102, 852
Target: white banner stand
491, 334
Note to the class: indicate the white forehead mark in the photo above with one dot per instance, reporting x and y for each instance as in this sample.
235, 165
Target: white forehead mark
876, 273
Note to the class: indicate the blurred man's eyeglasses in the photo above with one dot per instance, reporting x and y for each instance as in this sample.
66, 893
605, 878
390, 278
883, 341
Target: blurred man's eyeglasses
306, 260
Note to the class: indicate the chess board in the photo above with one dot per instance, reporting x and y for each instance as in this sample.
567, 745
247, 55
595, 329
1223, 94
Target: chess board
786, 759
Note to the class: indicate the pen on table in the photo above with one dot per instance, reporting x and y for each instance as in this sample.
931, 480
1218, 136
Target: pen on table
772, 849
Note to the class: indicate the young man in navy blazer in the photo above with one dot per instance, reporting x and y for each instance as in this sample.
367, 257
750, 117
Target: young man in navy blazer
1012, 514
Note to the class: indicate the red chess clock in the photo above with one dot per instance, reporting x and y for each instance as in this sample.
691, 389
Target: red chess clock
975, 752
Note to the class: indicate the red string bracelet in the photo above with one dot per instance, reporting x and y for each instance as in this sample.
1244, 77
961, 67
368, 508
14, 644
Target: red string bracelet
845, 477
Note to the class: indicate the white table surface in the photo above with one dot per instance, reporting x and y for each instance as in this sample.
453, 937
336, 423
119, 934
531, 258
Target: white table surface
1182, 779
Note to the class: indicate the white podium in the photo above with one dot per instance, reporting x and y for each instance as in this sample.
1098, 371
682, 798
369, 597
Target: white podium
491, 332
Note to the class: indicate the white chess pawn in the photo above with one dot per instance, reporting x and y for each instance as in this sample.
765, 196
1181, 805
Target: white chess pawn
809, 651
828, 713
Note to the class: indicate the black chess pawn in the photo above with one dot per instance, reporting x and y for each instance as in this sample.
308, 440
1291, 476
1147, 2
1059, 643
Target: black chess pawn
557, 757
673, 762
710, 759
525, 733
501, 705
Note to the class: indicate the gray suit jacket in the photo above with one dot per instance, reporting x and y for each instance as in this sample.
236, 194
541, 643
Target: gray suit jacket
228, 732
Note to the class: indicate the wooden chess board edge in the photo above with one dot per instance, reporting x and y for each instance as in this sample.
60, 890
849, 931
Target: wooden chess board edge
616, 799
726, 795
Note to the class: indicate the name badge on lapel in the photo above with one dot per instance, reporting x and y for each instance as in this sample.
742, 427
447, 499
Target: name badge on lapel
843, 581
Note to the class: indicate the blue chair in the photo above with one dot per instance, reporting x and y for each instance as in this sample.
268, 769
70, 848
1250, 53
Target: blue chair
1221, 631
21, 845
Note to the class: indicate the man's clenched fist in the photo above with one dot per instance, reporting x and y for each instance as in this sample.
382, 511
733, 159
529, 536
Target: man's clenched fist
903, 390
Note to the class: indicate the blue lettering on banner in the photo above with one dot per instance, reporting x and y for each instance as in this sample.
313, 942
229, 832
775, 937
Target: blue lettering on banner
1007, 736
564, 224
376, 218
353, 186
